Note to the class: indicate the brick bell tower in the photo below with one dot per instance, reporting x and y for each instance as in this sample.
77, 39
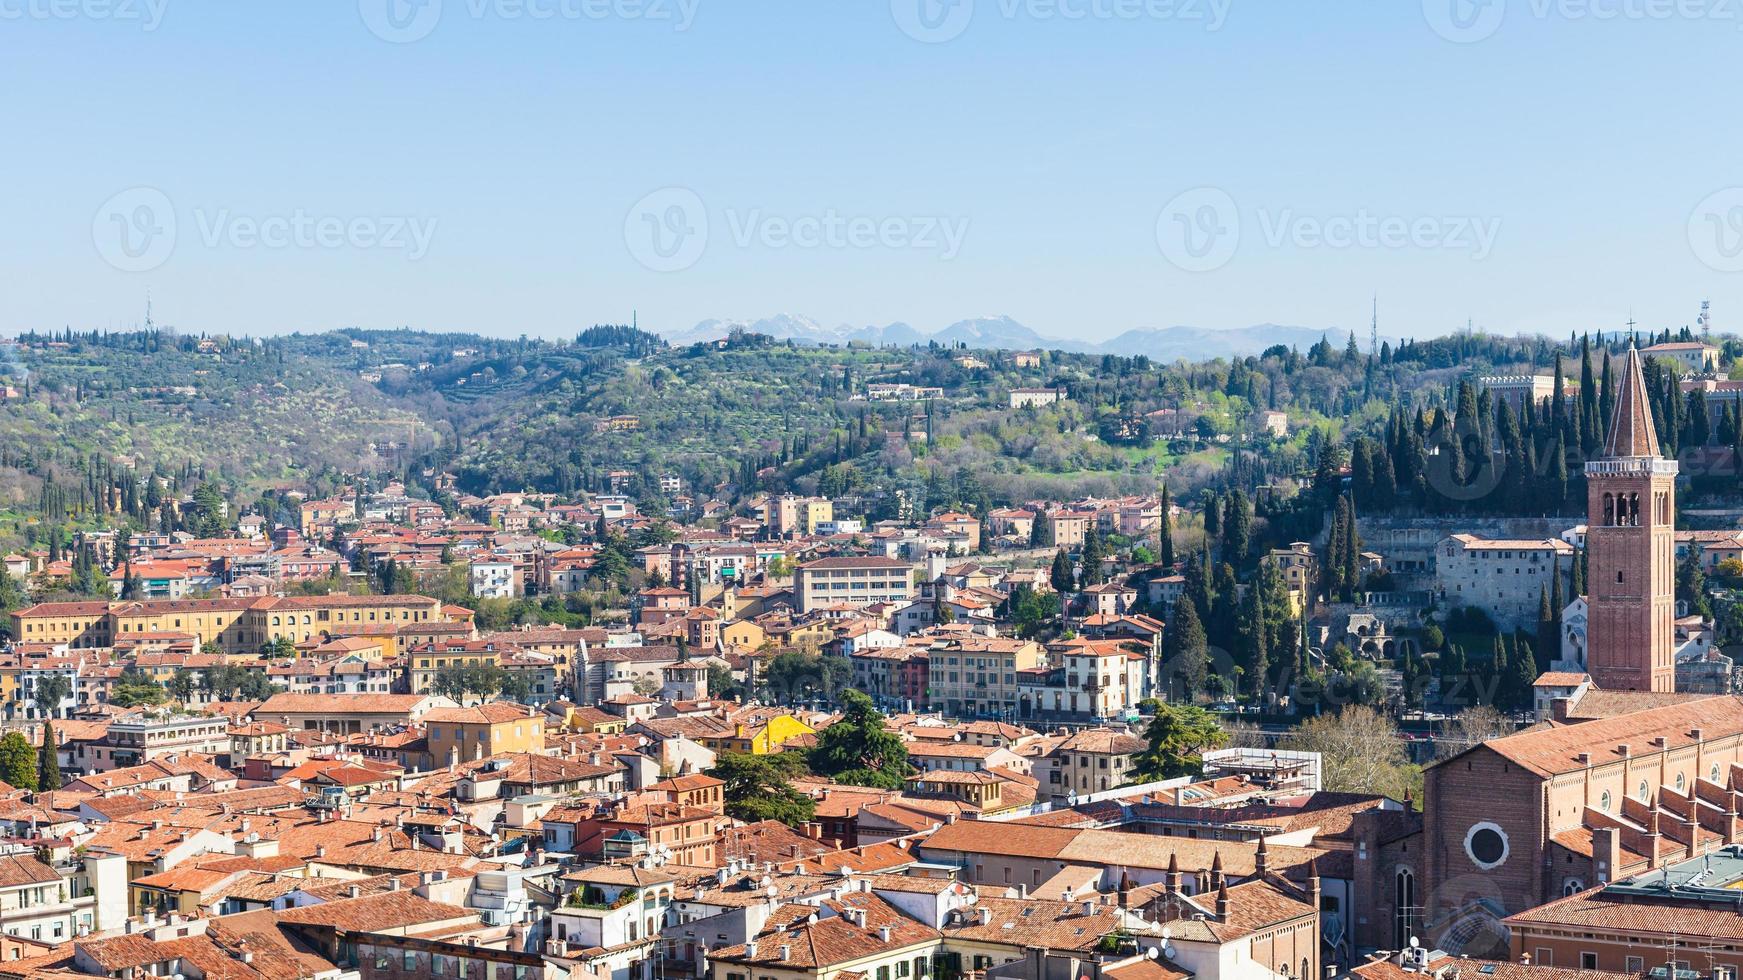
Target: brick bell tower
1631, 549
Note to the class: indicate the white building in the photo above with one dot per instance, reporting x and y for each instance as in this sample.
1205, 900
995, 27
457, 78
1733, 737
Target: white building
493, 579
1035, 397
1503, 577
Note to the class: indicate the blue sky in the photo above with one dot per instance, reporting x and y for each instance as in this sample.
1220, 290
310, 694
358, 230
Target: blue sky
1085, 166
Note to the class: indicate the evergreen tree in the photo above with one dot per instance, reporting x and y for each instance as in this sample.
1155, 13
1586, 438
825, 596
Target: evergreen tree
1186, 653
1255, 645
1062, 578
1524, 670
1092, 557
1548, 633
1197, 587
1165, 536
48, 766
1238, 528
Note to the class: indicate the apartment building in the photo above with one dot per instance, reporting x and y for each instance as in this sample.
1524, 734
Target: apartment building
238, 625
852, 581
978, 675
787, 515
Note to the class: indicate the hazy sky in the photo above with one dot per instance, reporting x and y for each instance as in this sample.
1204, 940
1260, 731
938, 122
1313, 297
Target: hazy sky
1085, 166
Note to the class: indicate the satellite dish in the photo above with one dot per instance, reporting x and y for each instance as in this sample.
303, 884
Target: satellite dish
1151, 953
1414, 942
1168, 949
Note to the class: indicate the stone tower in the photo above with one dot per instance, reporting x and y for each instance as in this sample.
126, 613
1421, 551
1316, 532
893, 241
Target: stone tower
1631, 549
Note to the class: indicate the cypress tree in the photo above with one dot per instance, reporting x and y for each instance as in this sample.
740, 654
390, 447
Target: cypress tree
48, 765
1547, 631
1165, 536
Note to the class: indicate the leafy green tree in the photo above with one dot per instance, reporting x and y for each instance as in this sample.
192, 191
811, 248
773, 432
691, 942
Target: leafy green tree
17, 761
48, 764
515, 687
1691, 585
134, 688
255, 686
759, 787
1030, 611
1177, 737
51, 690
182, 684
794, 676
858, 749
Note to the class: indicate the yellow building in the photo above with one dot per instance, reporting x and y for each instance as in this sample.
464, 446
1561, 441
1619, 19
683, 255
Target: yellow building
978, 674
758, 738
77, 624
469, 734
239, 626
424, 663
745, 633
1297, 563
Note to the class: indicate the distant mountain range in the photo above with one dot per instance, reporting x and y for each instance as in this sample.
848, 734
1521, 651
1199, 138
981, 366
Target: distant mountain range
1003, 333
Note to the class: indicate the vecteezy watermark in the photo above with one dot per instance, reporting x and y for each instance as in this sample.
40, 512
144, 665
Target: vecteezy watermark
137, 230
939, 21
1200, 230
405, 21
1716, 230
1470, 21
148, 14
302, 230
668, 230
1465, 21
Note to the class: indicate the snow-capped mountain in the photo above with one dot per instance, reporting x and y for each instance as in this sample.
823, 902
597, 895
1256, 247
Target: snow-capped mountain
1005, 333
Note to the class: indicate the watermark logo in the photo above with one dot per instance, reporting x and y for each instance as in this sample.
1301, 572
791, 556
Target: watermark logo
1716, 230
932, 21
939, 21
405, 21
148, 14
400, 21
135, 230
667, 231
1471, 21
1200, 229
301, 230
1465, 21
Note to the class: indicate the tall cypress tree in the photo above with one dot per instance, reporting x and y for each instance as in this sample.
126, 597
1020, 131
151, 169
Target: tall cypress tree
1165, 536
48, 764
